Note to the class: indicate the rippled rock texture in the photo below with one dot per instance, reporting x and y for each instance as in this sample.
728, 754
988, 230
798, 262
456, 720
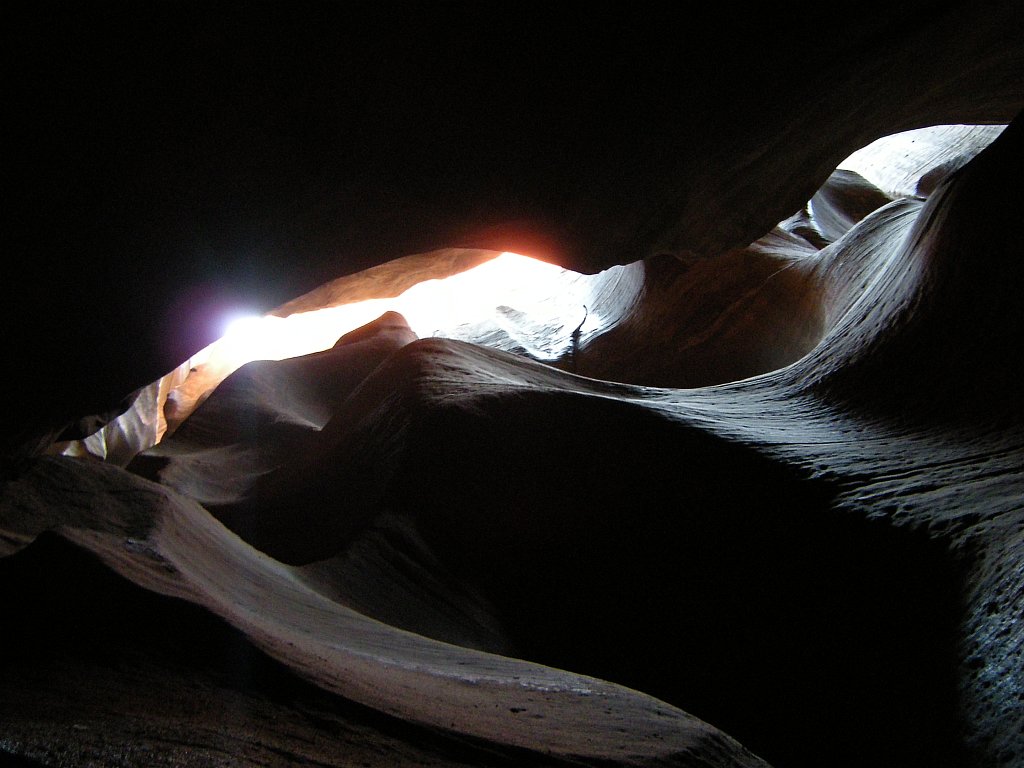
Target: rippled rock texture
771, 514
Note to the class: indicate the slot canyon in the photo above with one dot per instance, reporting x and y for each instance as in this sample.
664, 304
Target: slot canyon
490, 384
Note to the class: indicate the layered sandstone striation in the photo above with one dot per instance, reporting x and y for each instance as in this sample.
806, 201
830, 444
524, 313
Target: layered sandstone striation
472, 542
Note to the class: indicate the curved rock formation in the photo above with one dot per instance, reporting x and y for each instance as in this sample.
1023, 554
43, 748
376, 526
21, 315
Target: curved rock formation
168, 166
772, 514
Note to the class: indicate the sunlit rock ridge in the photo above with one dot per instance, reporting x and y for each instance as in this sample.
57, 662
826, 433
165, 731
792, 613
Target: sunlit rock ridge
732, 476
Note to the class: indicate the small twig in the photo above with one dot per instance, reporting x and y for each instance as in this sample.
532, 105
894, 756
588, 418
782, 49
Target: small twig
576, 337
